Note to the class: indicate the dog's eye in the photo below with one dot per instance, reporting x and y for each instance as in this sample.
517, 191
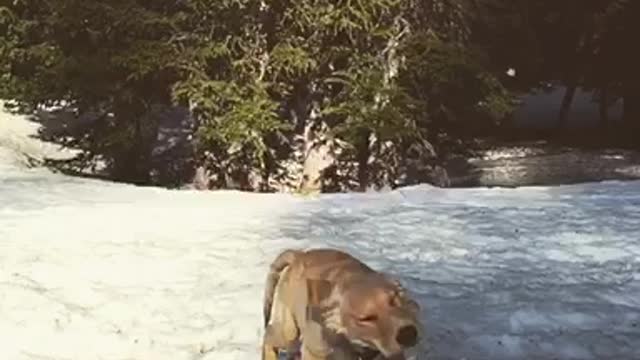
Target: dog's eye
369, 318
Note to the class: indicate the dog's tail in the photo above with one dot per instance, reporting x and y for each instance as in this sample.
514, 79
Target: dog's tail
282, 261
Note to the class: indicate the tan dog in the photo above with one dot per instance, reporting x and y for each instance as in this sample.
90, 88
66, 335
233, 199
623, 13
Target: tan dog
337, 307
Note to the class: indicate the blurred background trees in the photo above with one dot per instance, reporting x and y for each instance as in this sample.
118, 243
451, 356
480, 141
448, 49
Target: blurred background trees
304, 95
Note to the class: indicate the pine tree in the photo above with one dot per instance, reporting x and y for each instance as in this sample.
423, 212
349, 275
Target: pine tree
307, 95
112, 59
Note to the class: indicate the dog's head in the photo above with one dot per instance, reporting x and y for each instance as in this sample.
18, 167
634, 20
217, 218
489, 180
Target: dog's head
373, 312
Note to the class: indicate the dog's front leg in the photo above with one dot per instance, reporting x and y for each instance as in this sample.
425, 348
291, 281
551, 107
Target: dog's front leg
314, 345
281, 333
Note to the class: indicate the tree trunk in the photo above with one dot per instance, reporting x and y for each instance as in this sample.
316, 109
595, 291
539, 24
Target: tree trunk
267, 169
363, 160
202, 179
132, 161
565, 106
631, 107
584, 46
317, 156
604, 107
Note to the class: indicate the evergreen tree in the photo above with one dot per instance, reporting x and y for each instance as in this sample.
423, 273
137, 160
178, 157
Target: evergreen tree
112, 59
304, 94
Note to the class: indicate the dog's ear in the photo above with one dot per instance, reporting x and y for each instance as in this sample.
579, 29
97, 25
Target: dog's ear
318, 291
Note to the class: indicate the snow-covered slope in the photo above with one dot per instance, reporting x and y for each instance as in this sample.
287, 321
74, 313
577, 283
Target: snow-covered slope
19, 145
95, 270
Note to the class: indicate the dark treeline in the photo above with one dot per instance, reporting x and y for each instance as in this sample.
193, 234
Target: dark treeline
308, 94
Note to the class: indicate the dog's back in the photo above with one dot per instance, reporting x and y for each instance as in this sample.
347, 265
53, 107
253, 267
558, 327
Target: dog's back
331, 265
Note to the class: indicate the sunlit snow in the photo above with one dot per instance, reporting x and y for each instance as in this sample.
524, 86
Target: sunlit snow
96, 270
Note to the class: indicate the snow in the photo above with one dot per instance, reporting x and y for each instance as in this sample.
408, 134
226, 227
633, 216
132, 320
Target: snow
18, 142
97, 270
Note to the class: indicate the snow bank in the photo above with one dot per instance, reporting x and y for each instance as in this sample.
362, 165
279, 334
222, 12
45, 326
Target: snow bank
19, 145
96, 270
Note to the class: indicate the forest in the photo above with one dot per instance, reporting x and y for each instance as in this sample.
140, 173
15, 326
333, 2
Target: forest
305, 95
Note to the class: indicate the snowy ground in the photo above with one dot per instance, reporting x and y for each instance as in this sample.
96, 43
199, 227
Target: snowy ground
93, 270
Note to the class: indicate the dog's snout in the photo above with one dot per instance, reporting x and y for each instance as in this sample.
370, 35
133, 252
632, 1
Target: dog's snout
407, 336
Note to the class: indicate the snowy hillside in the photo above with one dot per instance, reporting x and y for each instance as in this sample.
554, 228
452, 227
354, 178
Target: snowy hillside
18, 144
94, 270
